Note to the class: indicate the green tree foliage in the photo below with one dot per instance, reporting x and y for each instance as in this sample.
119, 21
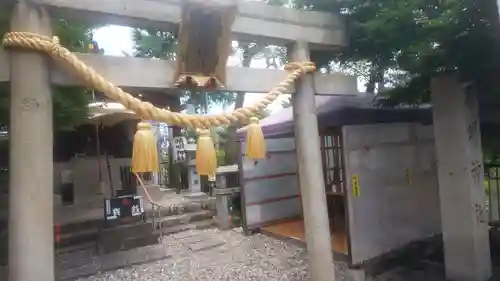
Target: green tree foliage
419, 38
70, 104
154, 43
413, 41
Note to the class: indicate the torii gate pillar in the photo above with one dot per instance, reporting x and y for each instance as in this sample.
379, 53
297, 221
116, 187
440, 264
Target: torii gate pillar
312, 185
464, 218
31, 239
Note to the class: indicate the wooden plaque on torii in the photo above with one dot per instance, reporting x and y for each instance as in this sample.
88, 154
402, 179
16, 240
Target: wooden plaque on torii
204, 43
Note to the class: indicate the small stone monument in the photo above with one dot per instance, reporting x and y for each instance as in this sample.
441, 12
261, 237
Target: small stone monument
223, 192
194, 180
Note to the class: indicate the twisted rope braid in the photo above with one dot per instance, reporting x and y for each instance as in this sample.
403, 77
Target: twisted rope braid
146, 110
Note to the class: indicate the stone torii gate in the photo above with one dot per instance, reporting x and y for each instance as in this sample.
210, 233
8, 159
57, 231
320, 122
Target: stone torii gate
31, 74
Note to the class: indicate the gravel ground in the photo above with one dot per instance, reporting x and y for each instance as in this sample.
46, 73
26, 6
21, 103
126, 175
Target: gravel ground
227, 255
215, 255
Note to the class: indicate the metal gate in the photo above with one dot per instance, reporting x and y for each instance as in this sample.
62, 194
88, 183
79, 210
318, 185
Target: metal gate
492, 189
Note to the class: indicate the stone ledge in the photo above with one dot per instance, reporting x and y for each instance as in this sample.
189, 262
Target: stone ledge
147, 74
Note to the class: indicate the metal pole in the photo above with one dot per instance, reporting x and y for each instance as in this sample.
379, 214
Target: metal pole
108, 166
98, 153
173, 168
31, 222
312, 185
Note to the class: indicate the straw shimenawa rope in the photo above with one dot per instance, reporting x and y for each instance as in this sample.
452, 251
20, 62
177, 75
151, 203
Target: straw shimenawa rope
146, 110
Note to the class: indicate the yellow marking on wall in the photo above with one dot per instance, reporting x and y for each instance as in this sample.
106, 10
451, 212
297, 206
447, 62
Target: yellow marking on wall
355, 185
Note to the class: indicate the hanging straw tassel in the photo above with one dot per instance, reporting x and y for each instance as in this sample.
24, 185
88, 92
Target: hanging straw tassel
145, 151
255, 145
206, 159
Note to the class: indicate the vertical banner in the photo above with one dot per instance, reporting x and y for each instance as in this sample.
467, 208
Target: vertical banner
180, 149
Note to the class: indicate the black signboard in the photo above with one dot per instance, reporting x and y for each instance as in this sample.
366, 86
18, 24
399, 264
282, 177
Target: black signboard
123, 207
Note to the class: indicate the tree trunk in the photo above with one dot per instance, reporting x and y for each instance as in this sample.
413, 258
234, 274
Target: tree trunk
372, 81
376, 78
381, 80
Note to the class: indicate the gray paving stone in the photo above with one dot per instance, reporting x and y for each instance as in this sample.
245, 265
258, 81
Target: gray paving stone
157, 253
84, 270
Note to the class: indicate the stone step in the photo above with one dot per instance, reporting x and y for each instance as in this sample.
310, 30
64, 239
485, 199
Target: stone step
75, 257
80, 226
79, 234
126, 237
113, 239
186, 218
196, 196
127, 230
115, 245
204, 224
186, 206
77, 237
136, 242
91, 245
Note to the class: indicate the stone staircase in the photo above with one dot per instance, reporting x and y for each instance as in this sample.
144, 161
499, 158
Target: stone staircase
139, 234
86, 247
180, 216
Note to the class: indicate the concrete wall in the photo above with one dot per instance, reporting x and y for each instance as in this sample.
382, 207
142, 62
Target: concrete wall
84, 175
398, 199
270, 186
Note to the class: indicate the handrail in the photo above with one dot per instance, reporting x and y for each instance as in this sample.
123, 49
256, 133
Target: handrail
141, 183
157, 224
